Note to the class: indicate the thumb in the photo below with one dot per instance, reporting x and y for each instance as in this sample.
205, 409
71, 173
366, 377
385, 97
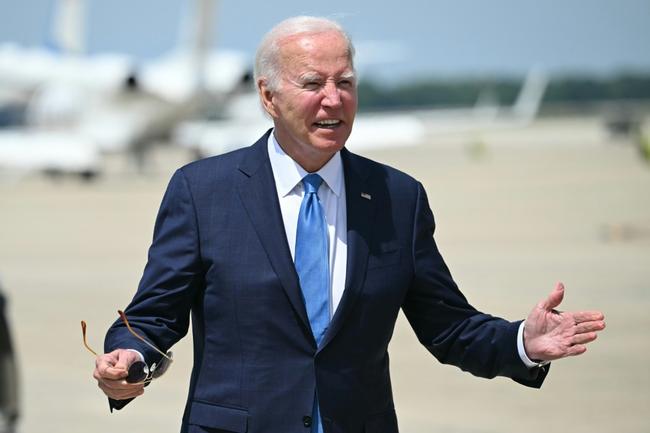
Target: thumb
554, 298
124, 359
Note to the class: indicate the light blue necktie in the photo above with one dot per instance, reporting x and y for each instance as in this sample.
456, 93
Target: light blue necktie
312, 266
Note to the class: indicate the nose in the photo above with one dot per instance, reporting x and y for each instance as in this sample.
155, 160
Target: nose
331, 95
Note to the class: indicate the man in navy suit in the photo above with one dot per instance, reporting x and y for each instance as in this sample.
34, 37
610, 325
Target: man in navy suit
271, 353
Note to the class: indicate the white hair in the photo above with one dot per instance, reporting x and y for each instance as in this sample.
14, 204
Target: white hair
267, 58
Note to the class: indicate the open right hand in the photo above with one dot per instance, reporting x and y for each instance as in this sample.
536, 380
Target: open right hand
111, 370
550, 334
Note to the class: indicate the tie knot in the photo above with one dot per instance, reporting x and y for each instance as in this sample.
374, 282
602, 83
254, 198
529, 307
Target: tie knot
311, 182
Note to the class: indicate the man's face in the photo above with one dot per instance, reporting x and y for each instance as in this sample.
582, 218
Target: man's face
314, 106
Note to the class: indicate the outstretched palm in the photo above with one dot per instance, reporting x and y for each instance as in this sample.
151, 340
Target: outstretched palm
550, 334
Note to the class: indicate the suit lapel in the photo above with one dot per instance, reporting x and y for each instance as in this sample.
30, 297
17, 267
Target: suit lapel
259, 195
360, 212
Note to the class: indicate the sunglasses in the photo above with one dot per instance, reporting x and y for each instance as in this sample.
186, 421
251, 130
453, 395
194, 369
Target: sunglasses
139, 371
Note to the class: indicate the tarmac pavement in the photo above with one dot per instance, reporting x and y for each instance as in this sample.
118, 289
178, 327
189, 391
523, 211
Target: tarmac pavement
516, 211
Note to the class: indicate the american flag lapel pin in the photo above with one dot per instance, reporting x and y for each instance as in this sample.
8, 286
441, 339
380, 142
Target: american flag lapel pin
366, 196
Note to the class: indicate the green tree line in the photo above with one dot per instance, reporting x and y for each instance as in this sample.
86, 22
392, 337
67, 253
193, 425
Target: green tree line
465, 91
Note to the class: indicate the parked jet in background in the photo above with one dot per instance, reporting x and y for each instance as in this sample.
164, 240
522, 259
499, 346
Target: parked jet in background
244, 121
93, 104
83, 106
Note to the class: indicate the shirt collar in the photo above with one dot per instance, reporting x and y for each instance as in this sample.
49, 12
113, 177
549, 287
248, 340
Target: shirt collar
288, 173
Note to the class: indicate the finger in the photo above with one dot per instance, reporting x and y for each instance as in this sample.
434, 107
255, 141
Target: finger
554, 298
105, 366
581, 328
120, 394
587, 316
120, 385
124, 359
576, 350
584, 338
119, 389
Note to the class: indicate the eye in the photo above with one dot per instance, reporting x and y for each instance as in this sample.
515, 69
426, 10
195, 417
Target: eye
311, 85
346, 83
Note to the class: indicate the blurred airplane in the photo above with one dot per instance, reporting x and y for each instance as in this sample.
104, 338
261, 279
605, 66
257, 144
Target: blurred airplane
35, 72
93, 104
487, 114
244, 121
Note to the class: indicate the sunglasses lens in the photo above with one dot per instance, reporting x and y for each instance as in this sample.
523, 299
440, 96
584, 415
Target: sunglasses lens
163, 366
137, 372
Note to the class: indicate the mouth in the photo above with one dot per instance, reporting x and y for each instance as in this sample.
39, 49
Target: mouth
328, 123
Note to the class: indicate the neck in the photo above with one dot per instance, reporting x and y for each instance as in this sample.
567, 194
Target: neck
311, 162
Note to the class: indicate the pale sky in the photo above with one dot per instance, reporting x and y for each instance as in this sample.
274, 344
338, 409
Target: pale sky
423, 37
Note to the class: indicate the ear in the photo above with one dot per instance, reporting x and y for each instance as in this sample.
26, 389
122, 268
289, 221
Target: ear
266, 96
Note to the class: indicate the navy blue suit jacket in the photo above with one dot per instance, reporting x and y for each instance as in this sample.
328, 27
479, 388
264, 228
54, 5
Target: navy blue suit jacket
220, 254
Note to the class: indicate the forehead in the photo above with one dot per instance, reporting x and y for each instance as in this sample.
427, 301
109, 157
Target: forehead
324, 52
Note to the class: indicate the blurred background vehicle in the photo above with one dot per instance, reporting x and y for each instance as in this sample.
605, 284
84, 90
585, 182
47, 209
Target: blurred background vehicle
8, 374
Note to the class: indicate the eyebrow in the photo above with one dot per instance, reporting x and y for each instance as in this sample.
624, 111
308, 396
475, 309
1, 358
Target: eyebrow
315, 76
309, 76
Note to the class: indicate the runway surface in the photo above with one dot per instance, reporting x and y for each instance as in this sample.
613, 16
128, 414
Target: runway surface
516, 211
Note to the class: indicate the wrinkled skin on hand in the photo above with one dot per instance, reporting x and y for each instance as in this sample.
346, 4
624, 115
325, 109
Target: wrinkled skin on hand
111, 370
550, 334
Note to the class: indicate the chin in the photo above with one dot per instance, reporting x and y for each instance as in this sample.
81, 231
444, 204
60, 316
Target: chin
329, 146
332, 144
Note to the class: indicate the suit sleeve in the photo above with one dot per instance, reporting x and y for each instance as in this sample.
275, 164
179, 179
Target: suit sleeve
447, 325
172, 278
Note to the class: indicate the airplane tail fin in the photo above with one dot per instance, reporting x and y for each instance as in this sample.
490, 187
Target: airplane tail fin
197, 35
530, 96
68, 26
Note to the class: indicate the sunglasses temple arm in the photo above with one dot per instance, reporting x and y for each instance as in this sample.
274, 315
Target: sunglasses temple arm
83, 332
138, 336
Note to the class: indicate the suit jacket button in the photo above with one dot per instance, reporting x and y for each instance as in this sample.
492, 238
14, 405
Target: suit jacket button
306, 421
